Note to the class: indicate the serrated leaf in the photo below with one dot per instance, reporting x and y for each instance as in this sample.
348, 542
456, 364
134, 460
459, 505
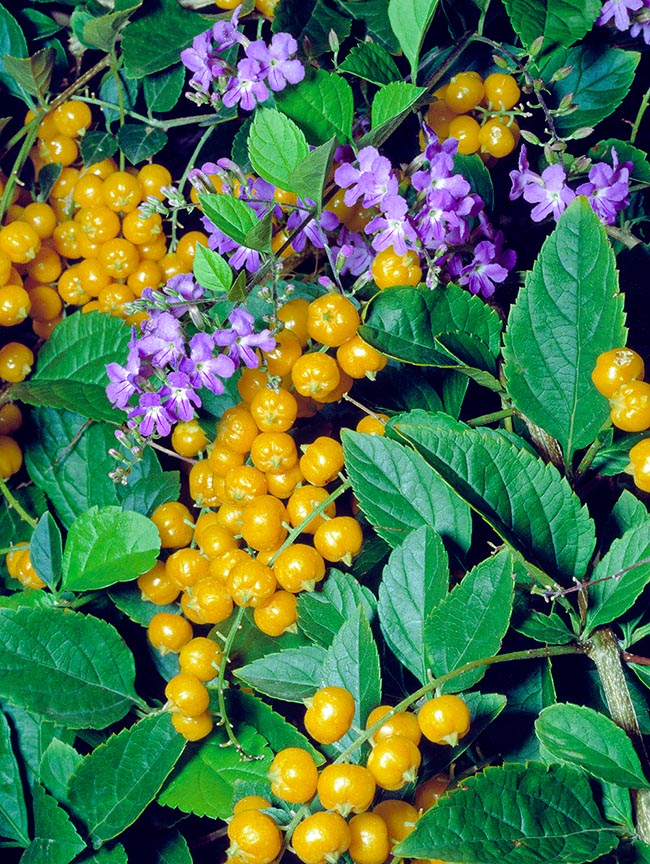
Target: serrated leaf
404, 322
371, 62
71, 369
474, 618
617, 806
271, 725
311, 174
260, 235
211, 270
46, 549
139, 142
550, 629
415, 580
559, 22
163, 89
58, 763
33, 73
548, 364
321, 614
374, 15
276, 146
56, 840
172, 848
115, 782
67, 457
599, 81
410, 20
477, 175
610, 598
102, 32
627, 513
203, 782
537, 514
291, 675
12, 43
168, 26
352, 662
32, 734
393, 100
321, 105
147, 493
582, 737
398, 492
13, 813
230, 215
96, 146
108, 546
115, 855
128, 599
73, 668
516, 803
310, 22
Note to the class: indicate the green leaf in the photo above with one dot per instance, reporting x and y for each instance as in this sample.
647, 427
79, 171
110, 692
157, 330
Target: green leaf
115, 855
271, 725
311, 174
58, 763
115, 782
67, 457
516, 802
582, 737
163, 89
321, 105
42, 26
394, 100
173, 849
560, 22
538, 515
371, 62
374, 14
14, 44
96, 146
139, 142
259, 236
108, 546
415, 580
410, 20
33, 73
13, 813
276, 146
617, 806
550, 629
625, 152
45, 550
547, 364
211, 270
398, 492
71, 667
614, 456
405, 322
474, 618
321, 614
103, 32
203, 782
310, 22
291, 675
71, 369
168, 26
528, 688
150, 492
128, 599
477, 175
55, 838
230, 215
32, 734
47, 177
352, 662
599, 81
610, 598
484, 709
627, 513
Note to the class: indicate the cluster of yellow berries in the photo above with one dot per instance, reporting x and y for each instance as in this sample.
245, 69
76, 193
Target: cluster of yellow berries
349, 822
477, 113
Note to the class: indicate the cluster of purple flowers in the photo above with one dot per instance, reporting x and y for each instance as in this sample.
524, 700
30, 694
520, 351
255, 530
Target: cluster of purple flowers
446, 222
627, 15
166, 367
264, 66
607, 188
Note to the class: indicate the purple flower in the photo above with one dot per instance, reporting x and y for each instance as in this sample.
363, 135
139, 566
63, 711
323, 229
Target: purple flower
355, 252
521, 177
226, 34
241, 339
551, 194
124, 379
182, 286
201, 60
204, 368
154, 414
608, 189
248, 87
489, 265
393, 226
619, 10
371, 181
314, 230
276, 60
641, 23
181, 397
163, 342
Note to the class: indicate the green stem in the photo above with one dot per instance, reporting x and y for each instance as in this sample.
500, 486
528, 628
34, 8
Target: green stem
152, 121
13, 502
435, 683
590, 455
21, 158
639, 115
227, 648
120, 97
604, 650
485, 419
183, 180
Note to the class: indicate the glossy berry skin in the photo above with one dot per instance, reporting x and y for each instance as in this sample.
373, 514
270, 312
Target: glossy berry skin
277, 615
390, 269
192, 728
329, 714
298, 568
403, 723
444, 719
359, 359
615, 368
464, 92
11, 457
263, 521
466, 131
496, 138
200, 657
168, 632
339, 539
501, 91
293, 775
630, 407
428, 793
321, 838
332, 320
16, 361
156, 585
255, 836
640, 464
394, 762
369, 841
174, 523
303, 502
251, 802
315, 374
346, 788
322, 461
399, 816
187, 694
